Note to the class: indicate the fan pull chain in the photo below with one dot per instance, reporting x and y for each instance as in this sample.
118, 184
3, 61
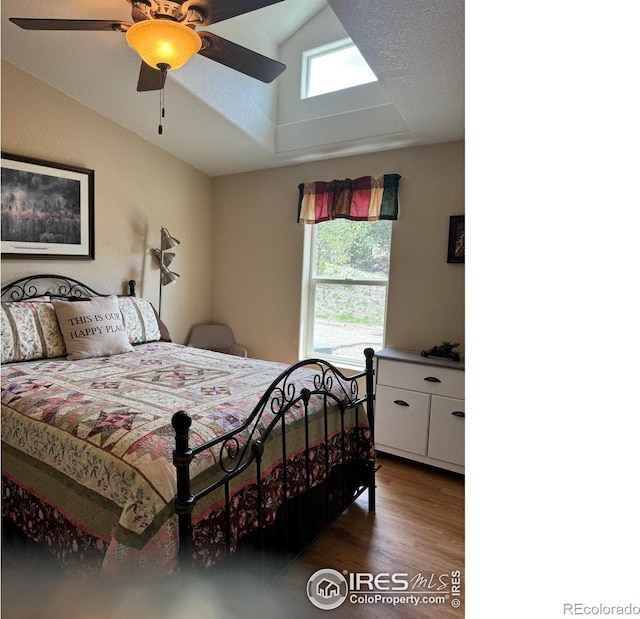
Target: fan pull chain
161, 111
163, 69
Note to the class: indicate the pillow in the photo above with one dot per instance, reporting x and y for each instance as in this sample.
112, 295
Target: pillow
30, 331
139, 320
92, 328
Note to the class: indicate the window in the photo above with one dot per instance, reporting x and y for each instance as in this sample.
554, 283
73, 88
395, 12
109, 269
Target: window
333, 67
345, 289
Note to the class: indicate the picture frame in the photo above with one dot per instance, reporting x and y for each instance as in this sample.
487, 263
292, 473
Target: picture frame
455, 253
47, 210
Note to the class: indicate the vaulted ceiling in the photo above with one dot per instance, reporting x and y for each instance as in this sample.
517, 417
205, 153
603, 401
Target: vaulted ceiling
221, 121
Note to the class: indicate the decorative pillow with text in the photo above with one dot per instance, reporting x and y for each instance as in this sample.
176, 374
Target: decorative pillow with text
92, 328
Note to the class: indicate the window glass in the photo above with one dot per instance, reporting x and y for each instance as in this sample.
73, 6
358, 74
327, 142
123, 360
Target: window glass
355, 249
345, 295
348, 318
334, 67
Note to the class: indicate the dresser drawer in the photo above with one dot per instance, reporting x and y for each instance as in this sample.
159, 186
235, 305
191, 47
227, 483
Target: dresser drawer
446, 430
402, 419
423, 378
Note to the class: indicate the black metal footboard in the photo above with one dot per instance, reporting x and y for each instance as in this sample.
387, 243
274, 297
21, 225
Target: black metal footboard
335, 426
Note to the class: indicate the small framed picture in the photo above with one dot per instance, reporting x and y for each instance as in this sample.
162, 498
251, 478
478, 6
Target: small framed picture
47, 210
455, 253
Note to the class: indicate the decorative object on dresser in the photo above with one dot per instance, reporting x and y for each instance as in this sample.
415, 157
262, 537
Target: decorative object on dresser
47, 209
420, 408
165, 258
445, 350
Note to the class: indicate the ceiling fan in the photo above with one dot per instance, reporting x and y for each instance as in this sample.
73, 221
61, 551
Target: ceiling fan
164, 35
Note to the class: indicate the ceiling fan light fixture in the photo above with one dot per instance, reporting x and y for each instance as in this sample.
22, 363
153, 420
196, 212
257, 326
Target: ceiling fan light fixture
161, 42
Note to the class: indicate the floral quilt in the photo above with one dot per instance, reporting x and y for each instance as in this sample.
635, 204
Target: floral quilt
87, 452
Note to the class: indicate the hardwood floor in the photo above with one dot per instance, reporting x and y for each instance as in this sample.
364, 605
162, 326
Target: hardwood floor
417, 530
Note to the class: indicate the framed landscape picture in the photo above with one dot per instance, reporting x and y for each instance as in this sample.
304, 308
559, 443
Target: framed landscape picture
455, 252
47, 210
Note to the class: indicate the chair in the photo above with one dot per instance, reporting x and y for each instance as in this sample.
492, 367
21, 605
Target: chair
215, 337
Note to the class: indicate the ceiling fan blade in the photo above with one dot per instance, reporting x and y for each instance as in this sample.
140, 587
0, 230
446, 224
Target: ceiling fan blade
219, 10
29, 23
240, 58
150, 78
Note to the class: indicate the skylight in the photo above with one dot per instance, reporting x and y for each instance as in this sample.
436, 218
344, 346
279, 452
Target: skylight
333, 67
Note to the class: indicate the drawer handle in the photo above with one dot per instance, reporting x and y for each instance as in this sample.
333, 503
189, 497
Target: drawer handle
401, 403
458, 414
433, 379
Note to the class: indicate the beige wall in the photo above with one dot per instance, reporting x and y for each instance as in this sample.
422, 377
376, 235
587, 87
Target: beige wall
257, 255
241, 254
138, 189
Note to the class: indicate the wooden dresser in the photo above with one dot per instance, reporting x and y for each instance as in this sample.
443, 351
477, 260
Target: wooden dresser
419, 409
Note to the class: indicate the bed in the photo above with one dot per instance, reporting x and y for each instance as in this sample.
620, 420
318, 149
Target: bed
140, 455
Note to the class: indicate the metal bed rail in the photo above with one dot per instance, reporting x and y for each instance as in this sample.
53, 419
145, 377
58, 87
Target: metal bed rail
244, 447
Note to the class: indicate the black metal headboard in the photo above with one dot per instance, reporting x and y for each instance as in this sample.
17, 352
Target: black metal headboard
56, 286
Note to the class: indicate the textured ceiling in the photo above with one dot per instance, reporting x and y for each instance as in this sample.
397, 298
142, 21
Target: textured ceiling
221, 121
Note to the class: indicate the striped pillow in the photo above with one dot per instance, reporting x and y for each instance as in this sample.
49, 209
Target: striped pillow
139, 320
30, 330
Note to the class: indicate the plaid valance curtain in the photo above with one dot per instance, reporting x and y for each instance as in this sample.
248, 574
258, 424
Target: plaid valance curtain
361, 199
